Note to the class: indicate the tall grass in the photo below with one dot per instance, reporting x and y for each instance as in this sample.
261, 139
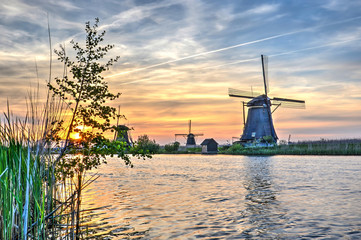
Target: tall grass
323, 147
36, 200
28, 185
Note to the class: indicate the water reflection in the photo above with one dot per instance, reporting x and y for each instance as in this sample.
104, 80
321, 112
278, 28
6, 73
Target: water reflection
213, 199
174, 197
226, 197
113, 218
263, 211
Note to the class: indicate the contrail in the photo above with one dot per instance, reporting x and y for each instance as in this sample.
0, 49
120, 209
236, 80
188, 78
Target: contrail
240, 61
234, 46
146, 79
284, 53
257, 58
205, 53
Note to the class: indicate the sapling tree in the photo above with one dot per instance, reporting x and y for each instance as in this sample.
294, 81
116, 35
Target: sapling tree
87, 94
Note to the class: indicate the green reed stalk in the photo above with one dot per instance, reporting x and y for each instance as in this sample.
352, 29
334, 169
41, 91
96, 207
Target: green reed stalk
27, 192
28, 183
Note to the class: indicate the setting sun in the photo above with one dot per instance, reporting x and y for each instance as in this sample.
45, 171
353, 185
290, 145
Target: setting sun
76, 135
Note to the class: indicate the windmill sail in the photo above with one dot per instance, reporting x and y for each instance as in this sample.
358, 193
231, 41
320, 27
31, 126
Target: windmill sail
181, 134
288, 103
232, 92
265, 73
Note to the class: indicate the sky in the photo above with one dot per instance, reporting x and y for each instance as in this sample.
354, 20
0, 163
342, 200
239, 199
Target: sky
178, 59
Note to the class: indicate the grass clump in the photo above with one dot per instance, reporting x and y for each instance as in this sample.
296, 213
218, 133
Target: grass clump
27, 178
322, 147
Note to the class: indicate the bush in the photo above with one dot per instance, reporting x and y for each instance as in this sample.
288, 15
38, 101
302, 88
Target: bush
267, 139
235, 149
194, 150
172, 147
146, 145
223, 149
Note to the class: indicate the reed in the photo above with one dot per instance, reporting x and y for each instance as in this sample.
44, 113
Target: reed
28, 185
322, 147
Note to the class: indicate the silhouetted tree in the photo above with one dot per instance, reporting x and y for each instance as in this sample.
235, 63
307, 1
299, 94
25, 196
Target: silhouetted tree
87, 94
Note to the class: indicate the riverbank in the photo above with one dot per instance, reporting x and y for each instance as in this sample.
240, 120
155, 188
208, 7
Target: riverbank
322, 147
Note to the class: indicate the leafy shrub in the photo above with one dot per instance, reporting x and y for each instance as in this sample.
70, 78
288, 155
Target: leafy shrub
235, 149
146, 145
172, 147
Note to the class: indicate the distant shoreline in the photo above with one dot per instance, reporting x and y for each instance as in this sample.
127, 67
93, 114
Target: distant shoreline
323, 147
261, 154
345, 147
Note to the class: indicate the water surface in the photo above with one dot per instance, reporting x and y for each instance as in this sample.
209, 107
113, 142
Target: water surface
227, 197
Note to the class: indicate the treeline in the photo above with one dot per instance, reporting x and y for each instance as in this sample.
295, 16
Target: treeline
318, 147
150, 146
321, 147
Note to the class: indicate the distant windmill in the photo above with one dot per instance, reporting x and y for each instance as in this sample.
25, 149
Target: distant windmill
191, 141
122, 133
259, 119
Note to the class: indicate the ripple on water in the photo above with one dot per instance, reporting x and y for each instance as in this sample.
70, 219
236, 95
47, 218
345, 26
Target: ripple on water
226, 197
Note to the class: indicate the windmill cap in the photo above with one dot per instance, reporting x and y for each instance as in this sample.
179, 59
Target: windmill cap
258, 101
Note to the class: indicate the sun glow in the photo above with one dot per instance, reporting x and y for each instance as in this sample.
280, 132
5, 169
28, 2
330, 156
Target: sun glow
76, 135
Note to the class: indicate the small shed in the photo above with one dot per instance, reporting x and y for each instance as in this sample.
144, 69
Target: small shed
209, 146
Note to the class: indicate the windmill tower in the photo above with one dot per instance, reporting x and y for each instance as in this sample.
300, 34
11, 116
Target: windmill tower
259, 118
122, 132
191, 141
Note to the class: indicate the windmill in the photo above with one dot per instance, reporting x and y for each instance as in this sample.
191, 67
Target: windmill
259, 118
191, 141
122, 132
